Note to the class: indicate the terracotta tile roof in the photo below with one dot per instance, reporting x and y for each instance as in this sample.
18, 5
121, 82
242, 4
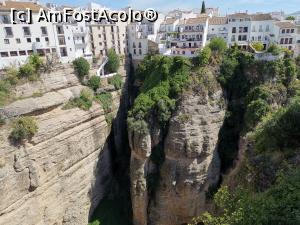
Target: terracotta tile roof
197, 20
261, 17
239, 15
285, 24
20, 6
217, 20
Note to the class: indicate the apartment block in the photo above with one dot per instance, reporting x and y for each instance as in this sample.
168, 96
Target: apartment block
18, 41
285, 35
143, 37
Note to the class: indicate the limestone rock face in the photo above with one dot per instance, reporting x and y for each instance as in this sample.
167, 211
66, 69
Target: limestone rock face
60, 175
190, 167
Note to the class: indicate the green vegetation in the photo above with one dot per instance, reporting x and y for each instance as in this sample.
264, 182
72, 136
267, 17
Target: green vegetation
84, 101
280, 130
2, 121
81, 67
204, 56
290, 18
31, 70
163, 79
23, 128
4, 92
105, 100
113, 63
94, 82
278, 205
203, 8
274, 49
217, 45
116, 80
258, 46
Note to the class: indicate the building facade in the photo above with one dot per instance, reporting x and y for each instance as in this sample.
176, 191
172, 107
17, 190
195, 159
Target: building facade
18, 41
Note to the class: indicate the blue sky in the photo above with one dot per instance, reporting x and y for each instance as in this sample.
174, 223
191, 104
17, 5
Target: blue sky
289, 6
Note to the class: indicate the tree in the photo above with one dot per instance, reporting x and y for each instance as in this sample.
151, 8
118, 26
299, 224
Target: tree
81, 67
204, 56
290, 18
113, 63
258, 46
203, 9
217, 45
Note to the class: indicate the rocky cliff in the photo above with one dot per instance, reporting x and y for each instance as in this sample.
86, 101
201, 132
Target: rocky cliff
190, 167
60, 175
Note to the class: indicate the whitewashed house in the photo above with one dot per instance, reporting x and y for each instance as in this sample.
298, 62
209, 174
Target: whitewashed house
239, 25
285, 34
191, 35
18, 41
218, 27
261, 28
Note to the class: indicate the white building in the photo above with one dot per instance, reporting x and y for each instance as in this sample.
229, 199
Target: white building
181, 14
143, 37
218, 27
191, 35
261, 28
18, 41
285, 35
244, 29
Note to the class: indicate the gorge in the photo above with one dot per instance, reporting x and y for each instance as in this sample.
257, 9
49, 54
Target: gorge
179, 132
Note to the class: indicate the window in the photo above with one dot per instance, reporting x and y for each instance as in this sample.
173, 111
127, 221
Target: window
253, 29
283, 31
140, 45
22, 52
292, 31
18, 40
140, 51
44, 30
4, 54
291, 41
38, 40
6, 41
234, 30
260, 28
99, 35
26, 31
259, 38
133, 45
288, 31
61, 41
28, 40
63, 52
8, 31
5, 19
60, 30
282, 41
46, 39
134, 51
267, 28
14, 53
286, 41
233, 38
112, 29
29, 52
